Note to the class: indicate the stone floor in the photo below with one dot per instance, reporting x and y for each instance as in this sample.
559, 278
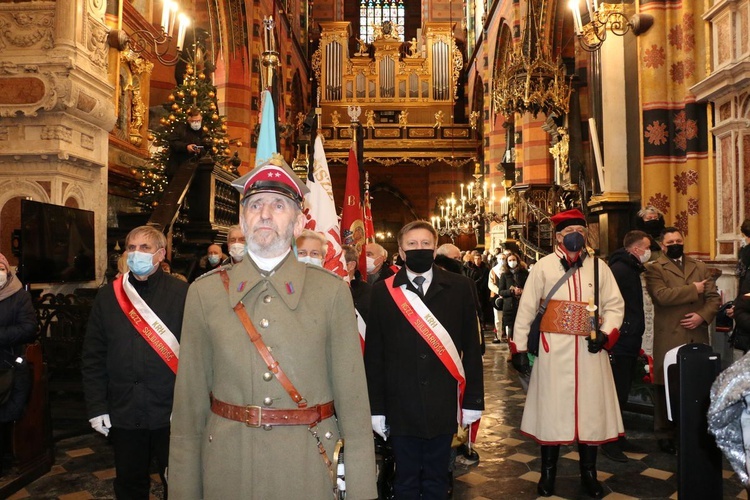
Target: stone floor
508, 468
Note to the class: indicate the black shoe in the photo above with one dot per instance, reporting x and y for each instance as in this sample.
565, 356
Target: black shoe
613, 452
496, 340
627, 445
668, 446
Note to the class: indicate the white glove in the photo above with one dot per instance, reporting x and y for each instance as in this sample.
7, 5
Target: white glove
378, 425
340, 481
101, 424
468, 417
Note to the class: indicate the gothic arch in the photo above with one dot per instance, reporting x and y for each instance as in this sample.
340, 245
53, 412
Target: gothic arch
25, 189
503, 49
75, 193
387, 188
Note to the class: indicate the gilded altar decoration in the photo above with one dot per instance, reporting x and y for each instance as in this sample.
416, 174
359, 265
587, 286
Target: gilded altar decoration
403, 118
560, 150
335, 117
370, 116
438, 120
473, 116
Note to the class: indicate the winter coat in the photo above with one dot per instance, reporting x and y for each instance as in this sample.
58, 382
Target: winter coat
627, 271
510, 300
306, 317
18, 325
674, 296
571, 392
406, 380
122, 374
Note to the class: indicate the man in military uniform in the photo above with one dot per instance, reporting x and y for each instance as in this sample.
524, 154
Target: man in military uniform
254, 419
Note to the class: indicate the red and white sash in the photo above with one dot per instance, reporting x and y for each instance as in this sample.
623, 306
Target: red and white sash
362, 329
147, 323
429, 328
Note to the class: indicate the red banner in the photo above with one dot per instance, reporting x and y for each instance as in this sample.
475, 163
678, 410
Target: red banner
352, 225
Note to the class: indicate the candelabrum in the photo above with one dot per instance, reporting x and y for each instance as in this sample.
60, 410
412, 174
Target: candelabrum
605, 18
159, 43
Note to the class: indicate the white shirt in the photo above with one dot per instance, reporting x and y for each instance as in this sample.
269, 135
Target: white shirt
427, 279
267, 264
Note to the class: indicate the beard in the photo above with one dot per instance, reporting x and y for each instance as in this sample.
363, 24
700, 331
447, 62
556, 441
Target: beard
267, 241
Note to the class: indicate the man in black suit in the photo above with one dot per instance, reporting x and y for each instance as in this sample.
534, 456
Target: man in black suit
422, 345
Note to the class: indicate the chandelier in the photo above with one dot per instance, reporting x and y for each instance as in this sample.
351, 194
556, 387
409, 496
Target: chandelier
474, 207
605, 17
532, 82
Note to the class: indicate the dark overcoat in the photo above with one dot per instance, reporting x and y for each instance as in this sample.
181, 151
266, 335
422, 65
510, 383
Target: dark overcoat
122, 374
407, 382
627, 272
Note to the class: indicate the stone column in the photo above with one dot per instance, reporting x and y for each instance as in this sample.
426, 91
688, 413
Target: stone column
57, 107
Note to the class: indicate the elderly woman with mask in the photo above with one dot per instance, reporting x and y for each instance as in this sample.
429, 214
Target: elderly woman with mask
18, 326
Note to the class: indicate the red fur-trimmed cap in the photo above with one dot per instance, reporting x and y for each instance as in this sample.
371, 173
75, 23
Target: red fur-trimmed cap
273, 176
572, 217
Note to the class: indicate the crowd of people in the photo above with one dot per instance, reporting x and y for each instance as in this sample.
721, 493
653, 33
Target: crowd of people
311, 391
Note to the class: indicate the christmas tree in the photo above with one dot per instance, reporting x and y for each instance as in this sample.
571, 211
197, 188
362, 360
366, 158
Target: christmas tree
195, 91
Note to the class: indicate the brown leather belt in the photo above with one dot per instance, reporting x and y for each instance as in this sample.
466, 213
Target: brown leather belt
256, 416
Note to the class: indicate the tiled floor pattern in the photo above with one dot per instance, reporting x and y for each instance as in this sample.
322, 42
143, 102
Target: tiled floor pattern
508, 469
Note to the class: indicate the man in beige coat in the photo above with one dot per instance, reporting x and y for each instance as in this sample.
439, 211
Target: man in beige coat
237, 431
685, 303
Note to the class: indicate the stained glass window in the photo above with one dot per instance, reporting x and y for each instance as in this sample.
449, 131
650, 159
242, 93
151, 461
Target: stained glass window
373, 12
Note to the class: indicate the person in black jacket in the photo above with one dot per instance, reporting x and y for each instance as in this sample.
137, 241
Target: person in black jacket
127, 384
18, 327
627, 265
186, 142
510, 286
412, 392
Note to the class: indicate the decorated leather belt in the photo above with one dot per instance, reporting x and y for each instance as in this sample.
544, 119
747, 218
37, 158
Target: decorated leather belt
257, 416
565, 316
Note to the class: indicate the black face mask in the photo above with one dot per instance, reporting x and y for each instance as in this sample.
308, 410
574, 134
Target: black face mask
574, 241
675, 251
653, 227
420, 261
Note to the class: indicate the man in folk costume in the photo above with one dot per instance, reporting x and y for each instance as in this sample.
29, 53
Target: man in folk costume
423, 362
271, 376
571, 393
129, 361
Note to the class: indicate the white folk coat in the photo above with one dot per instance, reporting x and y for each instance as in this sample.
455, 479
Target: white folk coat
571, 393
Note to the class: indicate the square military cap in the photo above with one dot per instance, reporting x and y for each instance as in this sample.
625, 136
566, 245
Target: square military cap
272, 176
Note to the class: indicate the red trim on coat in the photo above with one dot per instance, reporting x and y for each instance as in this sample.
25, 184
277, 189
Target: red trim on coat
612, 338
556, 443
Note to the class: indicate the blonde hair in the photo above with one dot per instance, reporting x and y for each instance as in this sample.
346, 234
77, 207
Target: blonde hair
150, 232
313, 235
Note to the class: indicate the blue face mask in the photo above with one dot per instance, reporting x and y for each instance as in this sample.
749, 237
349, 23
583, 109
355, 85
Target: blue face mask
141, 263
213, 259
574, 241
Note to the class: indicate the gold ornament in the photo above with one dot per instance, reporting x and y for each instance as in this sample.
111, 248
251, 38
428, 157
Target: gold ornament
215, 140
163, 120
181, 94
140, 193
215, 149
211, 94
189, 70
205, 128
202, 76
194, 93
133, 171
150, 137
212, 107
224, 128
175, 106
239, 144
214, 117
155, 204
172, 118
143, 184
170, 97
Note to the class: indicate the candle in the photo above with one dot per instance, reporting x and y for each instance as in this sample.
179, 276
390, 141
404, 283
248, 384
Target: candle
166, 7
484, 189
462, 191
172, 17
588, 7
577, 24
184, 23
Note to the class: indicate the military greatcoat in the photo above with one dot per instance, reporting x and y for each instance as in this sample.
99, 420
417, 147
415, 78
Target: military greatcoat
306, 318
571, 392
674, 295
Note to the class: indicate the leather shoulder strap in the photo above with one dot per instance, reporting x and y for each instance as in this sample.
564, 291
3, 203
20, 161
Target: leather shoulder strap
257, 341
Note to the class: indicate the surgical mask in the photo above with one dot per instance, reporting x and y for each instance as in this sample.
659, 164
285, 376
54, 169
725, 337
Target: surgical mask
213, 259
237, 251
653, 227
646, 256
675, 251
574, 241
195, 125
420, 261
370, 265
512, 264
3, 278
315, 261
141, 263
